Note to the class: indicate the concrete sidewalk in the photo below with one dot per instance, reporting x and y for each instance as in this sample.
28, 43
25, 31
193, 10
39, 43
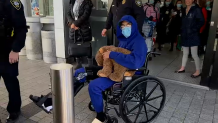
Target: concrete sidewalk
183, 104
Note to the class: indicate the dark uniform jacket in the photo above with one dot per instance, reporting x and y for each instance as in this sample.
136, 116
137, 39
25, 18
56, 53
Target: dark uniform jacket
120, 8
191, 25
82, 22
15, 29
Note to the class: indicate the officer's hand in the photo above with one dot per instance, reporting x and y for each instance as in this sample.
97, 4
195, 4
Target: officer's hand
103, 33
72, 26
13, 57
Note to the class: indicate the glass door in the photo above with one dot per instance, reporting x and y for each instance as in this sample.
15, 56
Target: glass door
210, 64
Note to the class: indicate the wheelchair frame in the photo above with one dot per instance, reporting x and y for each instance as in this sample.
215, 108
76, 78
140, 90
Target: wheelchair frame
111, 92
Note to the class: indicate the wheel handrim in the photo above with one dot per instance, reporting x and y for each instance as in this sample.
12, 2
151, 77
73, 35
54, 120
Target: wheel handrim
143, 102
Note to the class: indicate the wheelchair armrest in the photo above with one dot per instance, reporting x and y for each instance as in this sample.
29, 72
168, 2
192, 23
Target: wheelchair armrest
140, 69
155, 53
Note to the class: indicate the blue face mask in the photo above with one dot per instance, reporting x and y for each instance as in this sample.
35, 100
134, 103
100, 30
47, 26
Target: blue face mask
126, 31
167, 3
208, 3
179, 5
151, 1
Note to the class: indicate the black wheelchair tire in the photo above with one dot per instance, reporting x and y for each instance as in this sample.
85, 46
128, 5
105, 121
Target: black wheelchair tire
129, 88
91, 108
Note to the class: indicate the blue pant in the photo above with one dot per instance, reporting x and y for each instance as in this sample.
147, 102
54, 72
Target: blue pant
95, 91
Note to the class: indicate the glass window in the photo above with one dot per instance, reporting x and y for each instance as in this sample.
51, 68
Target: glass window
42, 7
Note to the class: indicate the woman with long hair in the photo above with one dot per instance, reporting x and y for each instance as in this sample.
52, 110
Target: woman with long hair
192, 22
78, 20
203, 31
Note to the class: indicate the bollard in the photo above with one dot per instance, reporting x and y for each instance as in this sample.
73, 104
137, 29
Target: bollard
62, 93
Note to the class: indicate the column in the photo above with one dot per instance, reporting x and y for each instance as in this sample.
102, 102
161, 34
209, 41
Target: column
61, 30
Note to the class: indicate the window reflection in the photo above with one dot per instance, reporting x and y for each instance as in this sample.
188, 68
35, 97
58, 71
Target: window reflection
35, 7
42, 7
100, 4
104, 4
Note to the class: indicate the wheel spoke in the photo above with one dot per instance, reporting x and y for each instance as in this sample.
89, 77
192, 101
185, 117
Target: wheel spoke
134, 101
140, 108
152, 106
146, 111
154, 98
133, 108
151, 92
145, 91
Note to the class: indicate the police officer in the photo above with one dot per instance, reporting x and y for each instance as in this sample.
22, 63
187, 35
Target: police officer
13, 31
119, 8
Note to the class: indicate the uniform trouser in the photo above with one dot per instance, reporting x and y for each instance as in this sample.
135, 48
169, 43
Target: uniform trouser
13, 88
96, 87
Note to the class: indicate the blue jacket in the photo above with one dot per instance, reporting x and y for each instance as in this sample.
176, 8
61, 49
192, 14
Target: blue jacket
191, 25
135, 43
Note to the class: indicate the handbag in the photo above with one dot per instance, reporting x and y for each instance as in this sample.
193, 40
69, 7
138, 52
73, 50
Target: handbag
79, 48
178, 45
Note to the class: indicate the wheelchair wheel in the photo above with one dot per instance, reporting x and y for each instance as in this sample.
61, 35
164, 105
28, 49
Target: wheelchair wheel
148, 99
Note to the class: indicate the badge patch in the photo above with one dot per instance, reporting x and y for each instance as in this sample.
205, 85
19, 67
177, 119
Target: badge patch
138, 3
124, 1
16, 4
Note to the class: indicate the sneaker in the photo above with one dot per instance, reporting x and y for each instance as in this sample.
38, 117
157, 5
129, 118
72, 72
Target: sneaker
13, 117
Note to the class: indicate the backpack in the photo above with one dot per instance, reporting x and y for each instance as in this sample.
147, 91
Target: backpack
149, 16
149, 23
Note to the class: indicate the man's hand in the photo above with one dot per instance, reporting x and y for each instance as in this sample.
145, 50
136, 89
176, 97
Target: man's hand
72, 26
13, 57
106, 55
103, 33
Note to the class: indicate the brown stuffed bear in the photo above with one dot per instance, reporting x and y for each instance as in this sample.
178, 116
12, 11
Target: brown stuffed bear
111, 69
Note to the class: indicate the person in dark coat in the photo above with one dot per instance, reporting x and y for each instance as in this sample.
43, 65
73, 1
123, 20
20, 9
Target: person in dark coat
165, 14
13, 31
78, 20
203, 31
176, 23
192, 22
118, 9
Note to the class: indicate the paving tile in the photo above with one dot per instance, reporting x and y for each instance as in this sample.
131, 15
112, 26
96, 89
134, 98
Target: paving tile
162, 120
45, 120
204, 121
166, 114
175, 120
206, 117
34, 118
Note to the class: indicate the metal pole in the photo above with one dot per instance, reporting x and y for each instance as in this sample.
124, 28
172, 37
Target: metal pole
62, 93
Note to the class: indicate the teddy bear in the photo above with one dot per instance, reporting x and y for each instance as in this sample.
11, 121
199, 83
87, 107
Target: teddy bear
111, 69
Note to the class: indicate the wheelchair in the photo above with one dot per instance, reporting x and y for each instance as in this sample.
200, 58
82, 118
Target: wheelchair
135, 94
130, 99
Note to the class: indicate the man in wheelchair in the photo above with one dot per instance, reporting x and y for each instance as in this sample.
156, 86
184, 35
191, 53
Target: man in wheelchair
129, 38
